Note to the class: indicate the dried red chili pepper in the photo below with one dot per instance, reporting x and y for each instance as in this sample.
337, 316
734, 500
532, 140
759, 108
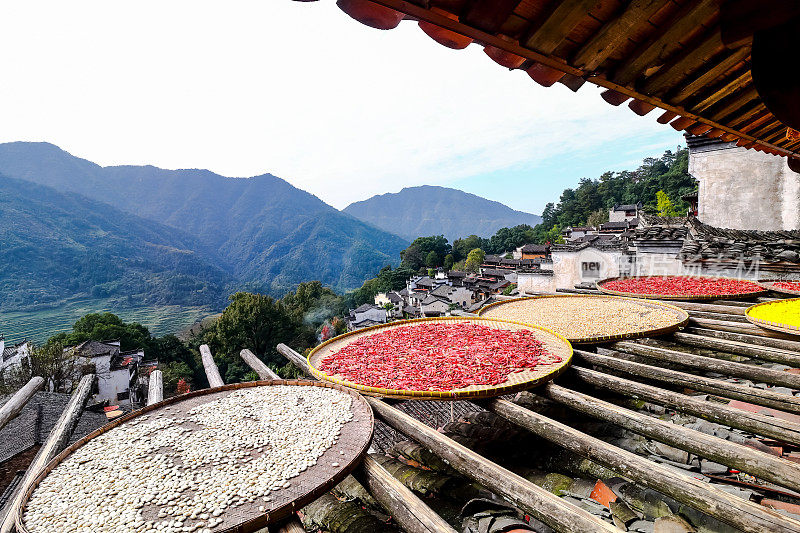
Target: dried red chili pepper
682, 286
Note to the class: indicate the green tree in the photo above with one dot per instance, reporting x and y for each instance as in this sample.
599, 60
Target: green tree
474, 260
107, 326
665, 206
448, 262
432, 259
313, 304
461, 247
597, 218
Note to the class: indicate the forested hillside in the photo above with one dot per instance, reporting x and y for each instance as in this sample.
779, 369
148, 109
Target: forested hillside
432, 210
269, 235
58, 246
668, 173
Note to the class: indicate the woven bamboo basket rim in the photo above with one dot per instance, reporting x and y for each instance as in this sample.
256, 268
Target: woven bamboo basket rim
680, 297
323, 484
555, 344
768, 324
682, 317
769, 284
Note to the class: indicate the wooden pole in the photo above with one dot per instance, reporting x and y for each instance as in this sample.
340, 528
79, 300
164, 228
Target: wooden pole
410, 512
717, 316
56, 441
738, 327
13, 406
399, 500
683, 488
709, 308
545, 506
155, 388
711, 364
767, 426
212, 372
263, 371
292, 525
792, 346
619, 361
763, 465
765, 353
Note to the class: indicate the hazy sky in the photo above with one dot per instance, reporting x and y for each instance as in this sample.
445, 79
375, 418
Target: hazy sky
301, 91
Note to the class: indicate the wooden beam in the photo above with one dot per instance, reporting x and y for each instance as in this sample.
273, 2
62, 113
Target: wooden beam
758, 424
708, 75
56, 441
744, 337
740, 19
737, 102
545, 506
559, 24
258, 366
763, 117
729, 88
747, 115
647, 54
755, 462
398, 499
683, 488
711, 364
489, 15
155, 387
765, 353
17, 402
212, 372
614, 33
623, 362
682, 63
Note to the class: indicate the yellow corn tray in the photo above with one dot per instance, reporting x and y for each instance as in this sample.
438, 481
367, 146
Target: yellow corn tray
782, 307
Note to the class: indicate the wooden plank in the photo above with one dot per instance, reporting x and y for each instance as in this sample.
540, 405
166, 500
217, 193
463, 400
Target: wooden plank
258, 366
711, 73
747, 115
755, 462
545, 506
683, 488
17, 402
765, 353
623, 362
749, 339
718, 316
758, 424
56, 441
489, 15
681, 64
712, 308
762, 118
559, 24
738, 327
155, 387
740, 370
740, 100
398, 499
535, 500
729, 88
212, 372
614, 33
646, 55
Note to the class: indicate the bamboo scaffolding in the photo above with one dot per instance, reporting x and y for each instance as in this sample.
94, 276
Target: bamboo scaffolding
763, 465
547, 507
622, 362
683, 488
711, 364
155, 388
56, 441
20, 399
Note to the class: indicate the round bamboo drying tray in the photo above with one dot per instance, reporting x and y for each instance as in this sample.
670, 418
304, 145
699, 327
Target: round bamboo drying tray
682, 297
769, 284
554, 343
768, 324
681, 317
354, 441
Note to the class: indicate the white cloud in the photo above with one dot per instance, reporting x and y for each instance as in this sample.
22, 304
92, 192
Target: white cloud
296, 89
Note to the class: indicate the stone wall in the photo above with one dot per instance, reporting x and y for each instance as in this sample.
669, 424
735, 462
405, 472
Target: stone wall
745, 189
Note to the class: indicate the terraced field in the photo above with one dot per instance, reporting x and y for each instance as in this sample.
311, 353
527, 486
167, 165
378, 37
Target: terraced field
40, 325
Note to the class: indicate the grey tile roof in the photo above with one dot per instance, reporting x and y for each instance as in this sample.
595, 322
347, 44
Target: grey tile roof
34, 423
660, 233
709, 242
535, 248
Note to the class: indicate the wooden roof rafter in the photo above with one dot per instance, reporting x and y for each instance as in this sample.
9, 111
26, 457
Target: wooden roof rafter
665, 54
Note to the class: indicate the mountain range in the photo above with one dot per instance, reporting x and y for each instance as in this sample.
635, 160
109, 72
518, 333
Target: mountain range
433, 210
70, 228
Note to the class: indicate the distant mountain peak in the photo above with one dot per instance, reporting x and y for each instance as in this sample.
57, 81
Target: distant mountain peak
436, 210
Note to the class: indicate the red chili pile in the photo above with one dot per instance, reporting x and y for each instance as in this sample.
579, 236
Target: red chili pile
682, 286
437, 357
787, 285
